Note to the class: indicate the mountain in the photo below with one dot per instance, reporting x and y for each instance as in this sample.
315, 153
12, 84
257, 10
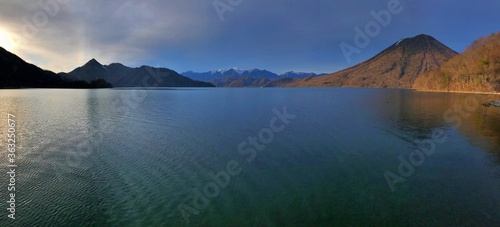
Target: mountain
249, 81
477, 69
224, 73
282, 82
122, 76
398, 66
299, 75
234, 77
16, 73
210, 76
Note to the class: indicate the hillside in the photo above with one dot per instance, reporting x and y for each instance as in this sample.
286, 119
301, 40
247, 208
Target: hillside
475, 70
397, 66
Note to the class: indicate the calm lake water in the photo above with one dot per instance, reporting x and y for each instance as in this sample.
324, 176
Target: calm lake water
320, 157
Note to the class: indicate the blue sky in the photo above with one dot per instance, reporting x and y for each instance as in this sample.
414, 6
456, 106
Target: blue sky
277, 35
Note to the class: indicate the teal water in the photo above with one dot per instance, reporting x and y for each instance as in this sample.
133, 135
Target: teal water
147, 158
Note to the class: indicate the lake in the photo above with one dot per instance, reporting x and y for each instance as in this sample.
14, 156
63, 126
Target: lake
251, 157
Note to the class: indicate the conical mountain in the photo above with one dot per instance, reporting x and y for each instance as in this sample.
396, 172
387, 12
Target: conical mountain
397, 66
92, 70
93, 63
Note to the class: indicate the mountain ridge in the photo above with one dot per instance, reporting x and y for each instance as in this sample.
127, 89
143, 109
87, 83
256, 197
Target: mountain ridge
399, 65
120, 75
17, 73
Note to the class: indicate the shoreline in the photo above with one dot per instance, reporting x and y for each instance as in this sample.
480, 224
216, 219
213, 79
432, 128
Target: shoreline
460, 92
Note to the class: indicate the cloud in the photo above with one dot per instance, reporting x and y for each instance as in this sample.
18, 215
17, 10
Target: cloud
114, 30
189, 35
134, 31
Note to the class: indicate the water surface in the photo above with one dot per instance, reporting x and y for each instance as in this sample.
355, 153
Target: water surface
136, 158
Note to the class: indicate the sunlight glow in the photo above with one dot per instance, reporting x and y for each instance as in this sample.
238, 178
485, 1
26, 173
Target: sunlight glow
6, 41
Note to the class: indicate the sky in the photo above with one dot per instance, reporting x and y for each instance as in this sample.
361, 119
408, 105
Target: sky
205, 35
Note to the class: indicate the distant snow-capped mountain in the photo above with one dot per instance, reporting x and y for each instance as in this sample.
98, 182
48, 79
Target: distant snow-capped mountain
231, 77
229, 70
223, 73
